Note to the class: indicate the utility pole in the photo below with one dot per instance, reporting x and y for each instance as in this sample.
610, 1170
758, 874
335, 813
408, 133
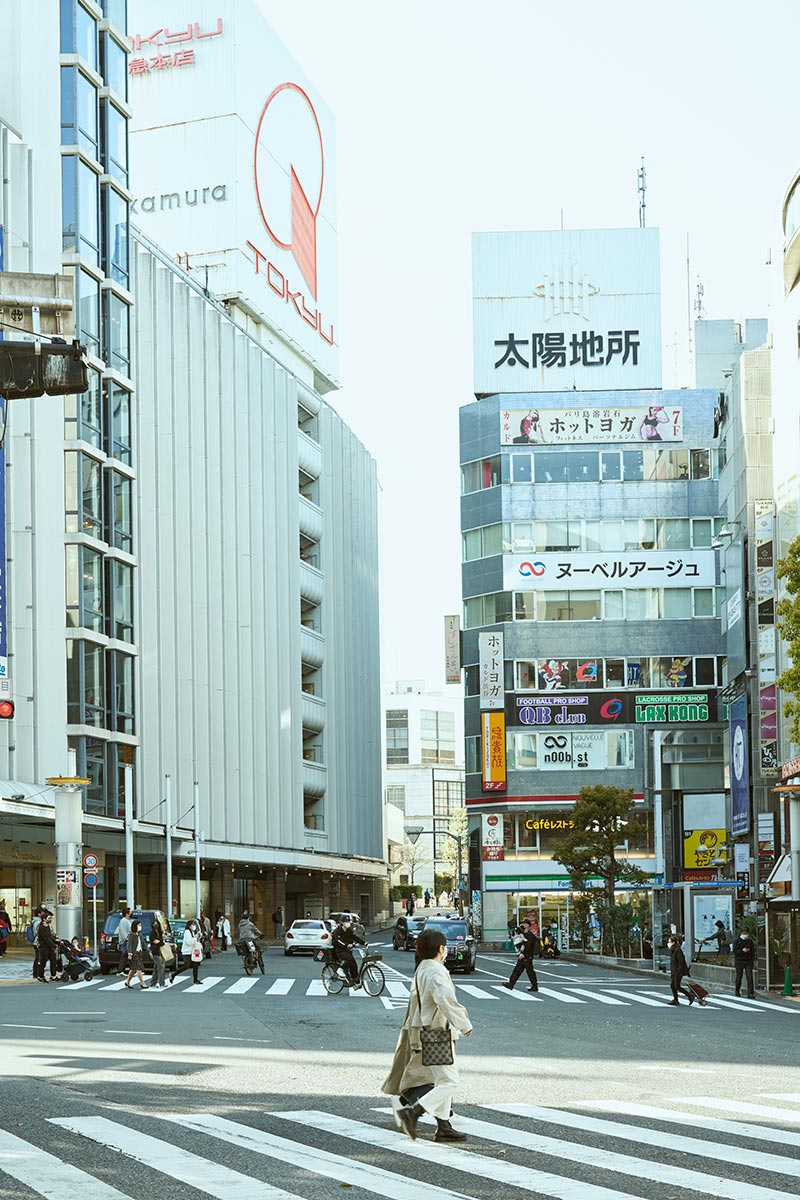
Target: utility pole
129, 864
197, 839
69, 850
168, 833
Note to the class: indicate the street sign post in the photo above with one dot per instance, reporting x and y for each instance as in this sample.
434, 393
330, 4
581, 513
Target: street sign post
91, 878
90, 861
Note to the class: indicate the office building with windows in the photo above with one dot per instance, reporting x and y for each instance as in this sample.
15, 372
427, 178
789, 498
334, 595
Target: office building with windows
192, 554
592, 643
424, 774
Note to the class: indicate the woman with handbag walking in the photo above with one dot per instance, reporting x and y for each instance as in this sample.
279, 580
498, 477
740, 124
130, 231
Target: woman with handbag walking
136, 955
191, 952
424, 1075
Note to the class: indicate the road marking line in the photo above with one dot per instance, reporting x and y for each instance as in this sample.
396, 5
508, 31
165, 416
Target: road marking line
241, 986
642, 1168
205, 985
316, 988
280, 987
478, 993
208, 1177
397, 989
84, 983
221, 1037
135, 1032
746, 1002
8, 1025
742, 1106
310, 1158
598, 996
48, 1175
637, 998
564, 997
73, 1012
781, 1095
510, 1174
710, 1003
741, 1129
723, 1002
500, 987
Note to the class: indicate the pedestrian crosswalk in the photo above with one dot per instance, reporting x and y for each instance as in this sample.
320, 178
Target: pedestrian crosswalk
629, 1152
398, 989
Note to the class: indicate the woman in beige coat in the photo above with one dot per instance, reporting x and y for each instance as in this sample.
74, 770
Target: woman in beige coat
432, 1005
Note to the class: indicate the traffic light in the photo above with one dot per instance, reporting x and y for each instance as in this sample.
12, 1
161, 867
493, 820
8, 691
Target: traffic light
6, 709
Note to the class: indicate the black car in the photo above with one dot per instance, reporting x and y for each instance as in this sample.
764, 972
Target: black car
462, 948
108, 952
406, 932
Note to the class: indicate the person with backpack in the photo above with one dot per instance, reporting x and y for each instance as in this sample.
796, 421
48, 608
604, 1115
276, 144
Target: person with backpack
277, 918
123, 930
48, 947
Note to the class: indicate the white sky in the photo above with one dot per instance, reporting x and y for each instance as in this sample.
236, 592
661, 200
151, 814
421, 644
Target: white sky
457, 115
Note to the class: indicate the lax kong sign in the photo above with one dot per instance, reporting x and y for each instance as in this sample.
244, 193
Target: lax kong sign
289, 177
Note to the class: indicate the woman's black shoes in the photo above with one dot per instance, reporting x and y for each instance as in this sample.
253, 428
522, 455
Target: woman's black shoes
408, 1118
446, 1133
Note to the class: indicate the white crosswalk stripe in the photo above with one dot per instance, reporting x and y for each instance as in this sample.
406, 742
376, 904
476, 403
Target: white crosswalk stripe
544, 1147
638, 998
476, 992
280, 987
601, 996
563, 996
205, 985
503, 990
241, 986
395, 988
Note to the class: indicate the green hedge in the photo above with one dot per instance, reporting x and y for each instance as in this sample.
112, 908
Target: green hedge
402, 891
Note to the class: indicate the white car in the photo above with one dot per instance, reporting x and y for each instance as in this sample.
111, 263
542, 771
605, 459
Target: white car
308, 935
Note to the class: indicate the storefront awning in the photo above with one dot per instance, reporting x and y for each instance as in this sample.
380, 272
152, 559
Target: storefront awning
781, 872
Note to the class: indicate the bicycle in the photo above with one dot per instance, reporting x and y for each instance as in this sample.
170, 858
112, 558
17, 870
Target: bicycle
370, 976
250, 960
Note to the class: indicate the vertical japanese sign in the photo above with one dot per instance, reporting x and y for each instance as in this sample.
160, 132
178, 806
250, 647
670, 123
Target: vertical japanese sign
493, 751
765, 599
740, 781
490, 670
452, 649
3, 402
492, 840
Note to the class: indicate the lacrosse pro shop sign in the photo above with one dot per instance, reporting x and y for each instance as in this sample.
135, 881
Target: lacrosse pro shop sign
289, 180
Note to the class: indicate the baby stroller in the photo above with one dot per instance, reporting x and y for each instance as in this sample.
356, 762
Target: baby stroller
75, 963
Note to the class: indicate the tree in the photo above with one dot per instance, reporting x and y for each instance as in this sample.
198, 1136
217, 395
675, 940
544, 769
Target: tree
602, 820
414, 855
789, 625
447, 848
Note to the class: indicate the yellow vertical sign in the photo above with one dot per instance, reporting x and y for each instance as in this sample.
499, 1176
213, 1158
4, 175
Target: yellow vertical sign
493, 751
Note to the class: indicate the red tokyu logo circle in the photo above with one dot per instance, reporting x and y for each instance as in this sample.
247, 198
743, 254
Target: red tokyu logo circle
289, 174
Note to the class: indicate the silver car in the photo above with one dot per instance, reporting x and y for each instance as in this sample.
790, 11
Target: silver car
308, 935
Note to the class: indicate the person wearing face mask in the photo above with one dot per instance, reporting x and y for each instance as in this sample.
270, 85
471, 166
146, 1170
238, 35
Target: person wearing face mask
678, 970
414, 1088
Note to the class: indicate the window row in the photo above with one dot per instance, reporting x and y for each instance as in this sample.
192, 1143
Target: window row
592, 674
437, 737
593, 750
97, 126
103, 764
114, 346
589, 466
97, 501
397, 736
448, 796
103, 53
94, 219
101, 416
100, 686
634, 604
633, 533
99, 593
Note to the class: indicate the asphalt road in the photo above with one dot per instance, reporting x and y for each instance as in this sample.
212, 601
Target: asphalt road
593, 1089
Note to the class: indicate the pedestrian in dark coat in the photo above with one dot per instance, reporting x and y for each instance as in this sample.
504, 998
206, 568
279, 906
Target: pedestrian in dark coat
744, 953
136, 955
48, 946
528, 950
678, 970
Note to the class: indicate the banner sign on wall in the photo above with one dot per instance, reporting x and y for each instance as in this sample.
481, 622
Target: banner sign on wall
493, 751
582, 571
3, 636
589, 426
452, 649
492, 843
766, 835
490, 670
665, 708
557, 310
766, 640
561, 751
740, 774
609, 708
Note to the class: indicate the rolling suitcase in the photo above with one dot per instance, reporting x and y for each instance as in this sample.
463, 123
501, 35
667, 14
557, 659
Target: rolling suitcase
700, 993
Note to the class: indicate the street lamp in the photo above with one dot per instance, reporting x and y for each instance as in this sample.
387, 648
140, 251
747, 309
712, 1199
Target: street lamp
413, 833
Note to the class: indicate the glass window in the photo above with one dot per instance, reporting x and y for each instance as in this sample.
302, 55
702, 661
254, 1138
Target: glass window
639, 534
497, 608
470, 477
701, 464
584, 606
80, 227
117, 319
78, 32
525, 675
613, 606
471, 545
115, 236
84, 588
88, 306
673, 534
592, 535
472, 756
83, 414
86, 700
678, 464
115, 142
86, 112
615, 672
397, 735
550, 466
610, 465
82, 495
705, 674
583, 466
552, 606
557, 535
473, 612
676, 603
118, 418
121, 623
524, 609
490, 472
520, 468
633, 464
703, 602
471, 680
672, 672
438, 736
522, 537
620, 748
114, 65
121, 691
492, 540
521, 751
116, 11
612, 535
701, 533
121, 507
641, 604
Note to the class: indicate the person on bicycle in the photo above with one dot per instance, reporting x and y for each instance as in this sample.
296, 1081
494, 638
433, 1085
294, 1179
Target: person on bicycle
343, 939
248, 932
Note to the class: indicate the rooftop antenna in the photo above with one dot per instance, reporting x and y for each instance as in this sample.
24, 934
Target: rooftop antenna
699, 307
642, 181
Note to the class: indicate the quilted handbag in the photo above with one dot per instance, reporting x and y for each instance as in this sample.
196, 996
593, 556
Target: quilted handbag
437, 1044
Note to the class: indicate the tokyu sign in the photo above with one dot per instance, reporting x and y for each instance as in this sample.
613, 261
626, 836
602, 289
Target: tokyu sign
668, 709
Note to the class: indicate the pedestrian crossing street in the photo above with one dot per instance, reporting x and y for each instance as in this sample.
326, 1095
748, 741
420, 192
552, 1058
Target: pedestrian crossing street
629, 1152
398, 989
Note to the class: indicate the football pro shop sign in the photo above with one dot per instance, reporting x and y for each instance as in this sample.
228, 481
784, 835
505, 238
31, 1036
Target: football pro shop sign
563, 310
